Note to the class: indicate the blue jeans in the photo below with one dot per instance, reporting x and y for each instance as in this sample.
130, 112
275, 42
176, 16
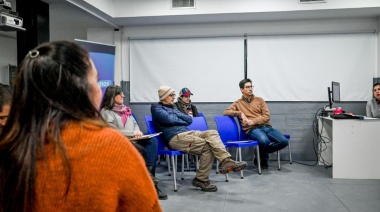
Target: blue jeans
151, 148
270, 140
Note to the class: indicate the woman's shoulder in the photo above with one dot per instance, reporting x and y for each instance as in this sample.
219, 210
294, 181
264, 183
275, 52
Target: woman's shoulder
104, 110
371, 102
86, 139
92, 130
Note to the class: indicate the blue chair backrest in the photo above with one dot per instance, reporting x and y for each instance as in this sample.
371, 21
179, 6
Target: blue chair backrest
243, 135
151, 130
148, 118
227, 128
199, 123
201, 114
135, 118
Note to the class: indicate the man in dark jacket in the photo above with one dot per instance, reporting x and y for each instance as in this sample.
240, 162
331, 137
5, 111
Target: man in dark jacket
173, 125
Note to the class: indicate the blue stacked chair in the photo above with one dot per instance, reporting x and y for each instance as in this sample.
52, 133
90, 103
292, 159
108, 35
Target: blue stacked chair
162, 150
243, 136
229, 133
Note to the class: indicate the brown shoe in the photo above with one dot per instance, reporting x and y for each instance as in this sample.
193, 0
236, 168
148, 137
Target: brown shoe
155, 180
228, 165
161, 195
204, 185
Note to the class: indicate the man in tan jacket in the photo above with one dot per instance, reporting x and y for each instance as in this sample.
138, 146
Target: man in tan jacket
254, 116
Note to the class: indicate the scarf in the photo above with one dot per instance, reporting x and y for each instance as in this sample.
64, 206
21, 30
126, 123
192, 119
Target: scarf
248, 100
185, 106
123, 112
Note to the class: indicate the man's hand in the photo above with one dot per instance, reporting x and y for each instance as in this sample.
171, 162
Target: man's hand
245, 120
137, 134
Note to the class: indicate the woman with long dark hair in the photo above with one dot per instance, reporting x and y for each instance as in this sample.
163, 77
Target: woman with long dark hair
56, 152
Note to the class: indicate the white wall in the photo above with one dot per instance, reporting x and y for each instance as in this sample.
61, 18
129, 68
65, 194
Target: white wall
378, 47
251, 28
8, 50
8, 55
135, 8
105, 6
72, 26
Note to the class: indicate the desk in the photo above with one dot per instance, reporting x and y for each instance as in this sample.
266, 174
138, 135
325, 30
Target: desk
354, 148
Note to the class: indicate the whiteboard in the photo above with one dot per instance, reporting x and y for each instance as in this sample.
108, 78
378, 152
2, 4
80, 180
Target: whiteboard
282, 67
301, 67
210, 67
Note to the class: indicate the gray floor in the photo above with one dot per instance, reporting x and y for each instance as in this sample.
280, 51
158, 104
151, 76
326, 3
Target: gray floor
295, 188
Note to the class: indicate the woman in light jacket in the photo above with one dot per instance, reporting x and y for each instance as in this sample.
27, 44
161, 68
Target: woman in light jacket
120, 116
373, 106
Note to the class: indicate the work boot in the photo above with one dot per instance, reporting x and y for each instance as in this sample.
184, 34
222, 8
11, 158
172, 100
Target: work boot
155, 180
204, 185
228, 165
161, 195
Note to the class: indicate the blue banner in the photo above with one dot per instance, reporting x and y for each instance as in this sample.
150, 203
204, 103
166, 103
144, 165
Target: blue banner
103, 56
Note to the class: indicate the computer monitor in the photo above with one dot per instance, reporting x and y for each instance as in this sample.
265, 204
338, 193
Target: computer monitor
334, 93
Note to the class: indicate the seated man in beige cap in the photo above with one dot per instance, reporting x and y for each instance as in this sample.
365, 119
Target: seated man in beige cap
184, 103
173, 125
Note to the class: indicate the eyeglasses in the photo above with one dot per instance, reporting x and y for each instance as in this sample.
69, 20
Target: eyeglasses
120, 93
172, 95
249, 86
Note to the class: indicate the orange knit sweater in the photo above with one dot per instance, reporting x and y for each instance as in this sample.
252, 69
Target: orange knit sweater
107, 174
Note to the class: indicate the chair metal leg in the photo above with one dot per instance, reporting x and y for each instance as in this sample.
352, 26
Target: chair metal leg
241, 171
258, 159
290, 153
187, 162
196, 163
174, 173
183, 165
278, 159
237, 154
217, 170
176, 163
168, 164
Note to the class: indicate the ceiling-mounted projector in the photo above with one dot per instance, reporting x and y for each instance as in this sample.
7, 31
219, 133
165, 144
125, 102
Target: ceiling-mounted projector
9, 21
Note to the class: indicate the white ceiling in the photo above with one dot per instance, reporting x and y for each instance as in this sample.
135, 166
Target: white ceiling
244, 17
66, 15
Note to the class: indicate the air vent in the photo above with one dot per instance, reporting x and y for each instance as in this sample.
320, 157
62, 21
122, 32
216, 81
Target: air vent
312, 1
179, 4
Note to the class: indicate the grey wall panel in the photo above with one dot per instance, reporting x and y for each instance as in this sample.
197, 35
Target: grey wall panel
294, 118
